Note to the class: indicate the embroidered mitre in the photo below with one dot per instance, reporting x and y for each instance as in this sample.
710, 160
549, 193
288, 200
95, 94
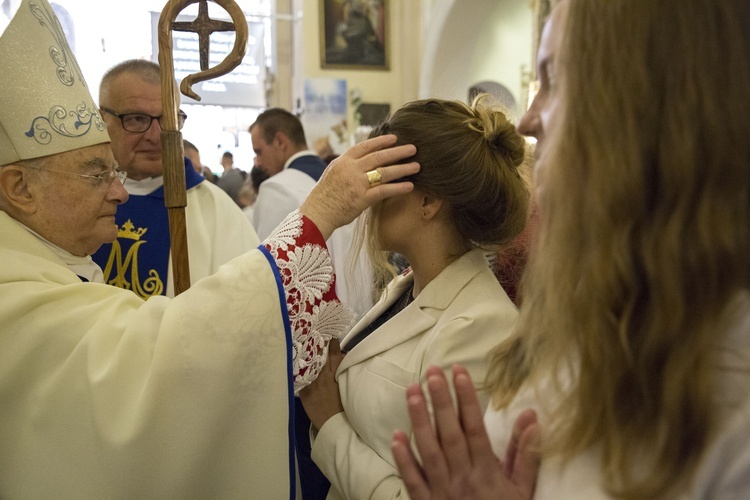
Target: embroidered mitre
45, 105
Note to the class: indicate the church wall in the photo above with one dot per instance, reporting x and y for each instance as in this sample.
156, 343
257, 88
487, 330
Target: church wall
439, 48
395, 86
476, 40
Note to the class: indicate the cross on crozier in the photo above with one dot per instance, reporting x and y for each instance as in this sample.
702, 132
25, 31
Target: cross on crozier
203, 26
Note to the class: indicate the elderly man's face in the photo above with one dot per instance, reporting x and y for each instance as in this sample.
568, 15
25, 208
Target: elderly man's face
77, 213
139, 154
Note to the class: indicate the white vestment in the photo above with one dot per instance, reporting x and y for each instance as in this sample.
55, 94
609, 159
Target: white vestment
105, 395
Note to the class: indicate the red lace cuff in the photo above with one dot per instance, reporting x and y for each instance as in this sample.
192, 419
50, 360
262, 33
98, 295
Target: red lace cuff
315, 313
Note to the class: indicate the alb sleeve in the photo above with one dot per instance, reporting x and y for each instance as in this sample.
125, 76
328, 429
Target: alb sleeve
314, 313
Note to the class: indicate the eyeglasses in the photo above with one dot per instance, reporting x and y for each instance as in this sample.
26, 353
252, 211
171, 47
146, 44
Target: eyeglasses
102, 179
138, 123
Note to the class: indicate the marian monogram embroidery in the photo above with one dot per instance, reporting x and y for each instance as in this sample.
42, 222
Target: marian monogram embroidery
151, 286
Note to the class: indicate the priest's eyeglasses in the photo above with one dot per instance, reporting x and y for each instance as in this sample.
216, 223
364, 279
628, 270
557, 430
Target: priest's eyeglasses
102, 179
138, 123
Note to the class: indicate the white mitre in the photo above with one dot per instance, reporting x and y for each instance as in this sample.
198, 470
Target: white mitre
45, 104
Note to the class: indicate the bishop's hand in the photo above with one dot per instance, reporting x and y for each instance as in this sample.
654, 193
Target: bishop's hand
360, 177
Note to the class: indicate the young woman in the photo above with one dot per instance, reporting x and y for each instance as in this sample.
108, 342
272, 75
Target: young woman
447, 308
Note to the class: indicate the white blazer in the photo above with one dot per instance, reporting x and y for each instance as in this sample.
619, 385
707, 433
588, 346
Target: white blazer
457, 318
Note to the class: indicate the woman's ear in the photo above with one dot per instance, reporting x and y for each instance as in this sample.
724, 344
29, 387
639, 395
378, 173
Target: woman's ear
430, 206
14, 189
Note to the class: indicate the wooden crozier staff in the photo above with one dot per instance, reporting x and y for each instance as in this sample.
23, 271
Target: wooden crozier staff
172, 153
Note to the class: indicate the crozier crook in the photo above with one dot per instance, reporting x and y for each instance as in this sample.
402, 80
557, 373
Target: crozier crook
175, 196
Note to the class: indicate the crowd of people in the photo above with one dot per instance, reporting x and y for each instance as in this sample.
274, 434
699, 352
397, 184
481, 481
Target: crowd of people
603, 353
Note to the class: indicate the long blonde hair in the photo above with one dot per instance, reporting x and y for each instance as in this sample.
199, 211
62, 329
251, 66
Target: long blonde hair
643, 236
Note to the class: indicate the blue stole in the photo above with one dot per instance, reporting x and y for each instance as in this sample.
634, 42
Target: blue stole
312, 481
138, 259
309, 164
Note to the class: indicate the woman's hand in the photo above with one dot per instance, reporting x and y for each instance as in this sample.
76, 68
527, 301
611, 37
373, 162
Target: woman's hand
344, 191
321, 398
457, 458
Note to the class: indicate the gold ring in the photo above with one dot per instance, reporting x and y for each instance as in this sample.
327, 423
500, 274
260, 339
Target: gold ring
374, 178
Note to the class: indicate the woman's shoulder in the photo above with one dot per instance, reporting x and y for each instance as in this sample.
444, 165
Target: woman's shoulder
480, 288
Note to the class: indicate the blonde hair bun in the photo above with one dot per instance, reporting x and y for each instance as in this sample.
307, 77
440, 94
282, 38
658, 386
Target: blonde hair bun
490, 119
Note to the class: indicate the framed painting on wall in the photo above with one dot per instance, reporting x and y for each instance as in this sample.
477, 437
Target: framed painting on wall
354, 34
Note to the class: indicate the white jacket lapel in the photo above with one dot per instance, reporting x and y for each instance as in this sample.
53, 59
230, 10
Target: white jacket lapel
420, 315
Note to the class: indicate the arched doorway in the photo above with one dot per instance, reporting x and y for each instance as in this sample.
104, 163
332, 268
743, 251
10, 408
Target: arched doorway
469, 41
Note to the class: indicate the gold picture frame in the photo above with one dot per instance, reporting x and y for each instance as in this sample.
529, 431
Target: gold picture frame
354, 34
